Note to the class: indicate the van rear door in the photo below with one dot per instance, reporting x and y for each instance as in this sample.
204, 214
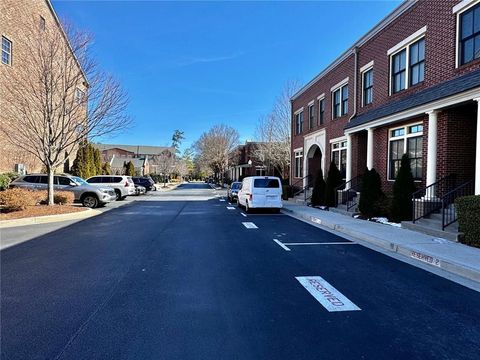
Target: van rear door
267, 192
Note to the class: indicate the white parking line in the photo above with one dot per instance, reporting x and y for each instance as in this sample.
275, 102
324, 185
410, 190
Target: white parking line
282, 245
250, 225
230, 208
324, 243
244, 215
222, 199
331, 299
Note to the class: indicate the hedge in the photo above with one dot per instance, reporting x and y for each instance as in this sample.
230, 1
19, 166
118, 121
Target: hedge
468, 211
6, 179
19, 199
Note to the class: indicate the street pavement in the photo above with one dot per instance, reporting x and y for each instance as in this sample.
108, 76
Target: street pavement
185, 275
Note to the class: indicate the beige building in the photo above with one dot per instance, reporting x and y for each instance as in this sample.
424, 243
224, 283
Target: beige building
17, 19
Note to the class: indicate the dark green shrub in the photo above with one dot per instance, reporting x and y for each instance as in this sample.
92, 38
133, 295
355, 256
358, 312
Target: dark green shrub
334, 179
318, 194
468, 210
287, 192
403, 188
129, 169
371, 194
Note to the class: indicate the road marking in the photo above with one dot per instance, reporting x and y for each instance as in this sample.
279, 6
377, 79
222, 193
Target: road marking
323, 243
249, 225
331, 299
230, 208
245, 215
282, 245
222, 199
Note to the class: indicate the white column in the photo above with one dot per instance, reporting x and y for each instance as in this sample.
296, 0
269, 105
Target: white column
432, 148
477, 152
348, 175
370, 149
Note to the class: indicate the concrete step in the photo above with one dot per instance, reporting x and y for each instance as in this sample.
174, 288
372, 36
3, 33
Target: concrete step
433, 229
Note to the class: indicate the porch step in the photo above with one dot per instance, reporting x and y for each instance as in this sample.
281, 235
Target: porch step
434, 228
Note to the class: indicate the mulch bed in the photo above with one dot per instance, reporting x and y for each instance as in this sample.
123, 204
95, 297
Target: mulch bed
40, 210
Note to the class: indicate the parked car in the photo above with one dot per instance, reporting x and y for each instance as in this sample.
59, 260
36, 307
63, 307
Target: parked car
144, 181
123, 185
260, 192
140, 190
88, 195
232, 192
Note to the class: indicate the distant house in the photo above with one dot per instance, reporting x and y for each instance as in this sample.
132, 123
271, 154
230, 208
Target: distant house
243, 161
145, 158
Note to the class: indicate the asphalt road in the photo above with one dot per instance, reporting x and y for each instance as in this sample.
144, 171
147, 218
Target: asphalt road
178, 276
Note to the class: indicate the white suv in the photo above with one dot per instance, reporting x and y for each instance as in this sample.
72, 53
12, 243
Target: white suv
123, 185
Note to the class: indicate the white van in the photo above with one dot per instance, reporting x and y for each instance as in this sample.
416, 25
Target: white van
260, 192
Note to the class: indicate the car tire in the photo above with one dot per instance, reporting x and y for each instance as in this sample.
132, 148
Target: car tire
247, 208
90, 201
122, 198
118, 194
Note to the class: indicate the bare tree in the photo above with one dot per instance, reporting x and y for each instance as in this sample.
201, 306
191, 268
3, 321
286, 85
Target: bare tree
164, 164
214, 146
59, 97
273, 132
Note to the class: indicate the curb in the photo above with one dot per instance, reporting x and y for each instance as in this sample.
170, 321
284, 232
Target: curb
49, 218
406, 251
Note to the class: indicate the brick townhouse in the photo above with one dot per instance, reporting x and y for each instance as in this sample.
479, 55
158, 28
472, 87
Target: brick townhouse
16, 56
410, 85
244, 161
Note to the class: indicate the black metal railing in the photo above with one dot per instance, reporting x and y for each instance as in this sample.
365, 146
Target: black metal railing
346, 193
449, 213
429, 199
301, 185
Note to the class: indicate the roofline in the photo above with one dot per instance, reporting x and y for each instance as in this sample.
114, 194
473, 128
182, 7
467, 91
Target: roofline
50, 6
399, 10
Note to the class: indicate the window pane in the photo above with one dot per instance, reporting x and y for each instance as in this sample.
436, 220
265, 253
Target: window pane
467, 24
345, 92
414, 53
476, 52
421, 49
468, 50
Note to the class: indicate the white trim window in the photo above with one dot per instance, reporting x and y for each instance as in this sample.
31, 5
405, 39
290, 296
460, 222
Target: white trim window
340, 101
407, 64
367, 87
321, 111
6, 51
298, 164
405, 140
339, 156
469, 34
311, 115
299, 123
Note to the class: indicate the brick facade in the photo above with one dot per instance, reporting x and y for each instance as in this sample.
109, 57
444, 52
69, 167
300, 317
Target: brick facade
16, 16
436, 22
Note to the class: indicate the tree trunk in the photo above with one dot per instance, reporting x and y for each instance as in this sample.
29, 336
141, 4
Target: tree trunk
50, 172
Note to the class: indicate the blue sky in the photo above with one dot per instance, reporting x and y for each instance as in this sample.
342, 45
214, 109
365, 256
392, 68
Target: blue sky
190, 65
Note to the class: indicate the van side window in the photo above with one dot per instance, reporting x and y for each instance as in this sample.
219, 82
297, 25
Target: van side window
62, 180
31, 179
93, 180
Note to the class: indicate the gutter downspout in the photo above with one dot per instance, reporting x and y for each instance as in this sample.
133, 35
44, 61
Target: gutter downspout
355, 84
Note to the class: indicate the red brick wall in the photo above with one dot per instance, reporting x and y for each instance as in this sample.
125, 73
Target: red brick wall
456, 132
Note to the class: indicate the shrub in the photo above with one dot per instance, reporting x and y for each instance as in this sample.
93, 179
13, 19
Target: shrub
371, 194
318, 194
403, 188
63, 197
334, 179
468, 210
19, 199
6, 179
287, 192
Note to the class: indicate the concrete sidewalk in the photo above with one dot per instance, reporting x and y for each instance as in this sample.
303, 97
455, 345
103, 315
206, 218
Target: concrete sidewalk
455, 258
